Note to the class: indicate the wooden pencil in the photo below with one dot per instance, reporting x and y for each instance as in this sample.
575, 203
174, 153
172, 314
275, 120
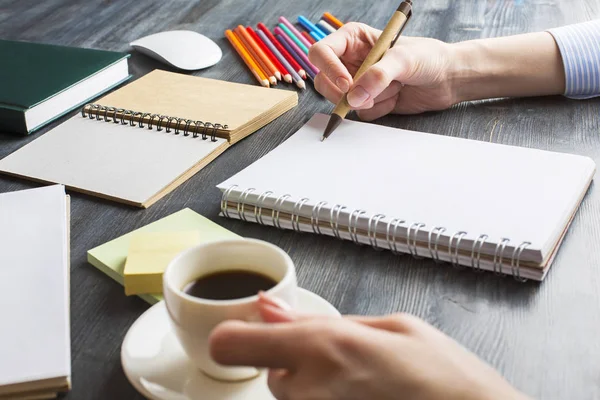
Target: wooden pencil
333, 21
283, 51
239, 48
308, 37
295, 31
293, 37
251, 47
295, 76
299, 53
284, 72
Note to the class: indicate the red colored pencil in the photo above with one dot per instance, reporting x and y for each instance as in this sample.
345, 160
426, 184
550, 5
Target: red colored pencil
265, 64
308, 37
282, 50
284, 72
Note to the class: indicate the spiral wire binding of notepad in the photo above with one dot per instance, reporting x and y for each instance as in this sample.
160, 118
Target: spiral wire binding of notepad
144, 119
434, 233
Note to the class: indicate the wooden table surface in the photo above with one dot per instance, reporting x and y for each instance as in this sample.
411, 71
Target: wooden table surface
542, 337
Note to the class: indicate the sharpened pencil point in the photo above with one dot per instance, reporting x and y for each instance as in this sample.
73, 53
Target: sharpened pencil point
334, 121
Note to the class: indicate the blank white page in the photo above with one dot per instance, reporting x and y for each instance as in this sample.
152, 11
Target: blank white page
120, 161
34, 286
463, 185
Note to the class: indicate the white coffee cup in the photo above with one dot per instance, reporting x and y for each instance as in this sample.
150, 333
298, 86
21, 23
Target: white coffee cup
194, 318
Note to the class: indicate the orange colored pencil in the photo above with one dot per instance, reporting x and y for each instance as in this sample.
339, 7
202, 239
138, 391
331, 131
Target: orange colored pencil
255, 69
308, 37
258, 54
333, 20
284, 72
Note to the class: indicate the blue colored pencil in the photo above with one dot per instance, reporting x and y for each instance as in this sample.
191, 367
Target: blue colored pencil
315, 36
309, 26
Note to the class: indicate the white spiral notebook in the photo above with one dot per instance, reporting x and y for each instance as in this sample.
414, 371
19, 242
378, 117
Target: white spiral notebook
483, 205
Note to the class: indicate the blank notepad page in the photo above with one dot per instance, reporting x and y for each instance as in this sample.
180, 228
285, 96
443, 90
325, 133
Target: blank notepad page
112, 160
463, 185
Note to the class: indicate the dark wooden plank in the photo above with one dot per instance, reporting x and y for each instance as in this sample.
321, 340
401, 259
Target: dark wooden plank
542, 337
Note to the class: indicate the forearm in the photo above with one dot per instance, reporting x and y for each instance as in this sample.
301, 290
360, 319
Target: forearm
513, 66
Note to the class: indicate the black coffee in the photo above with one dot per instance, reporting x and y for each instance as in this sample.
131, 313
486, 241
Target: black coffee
228, 285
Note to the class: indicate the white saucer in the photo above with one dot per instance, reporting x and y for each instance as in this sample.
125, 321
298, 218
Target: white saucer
157, 367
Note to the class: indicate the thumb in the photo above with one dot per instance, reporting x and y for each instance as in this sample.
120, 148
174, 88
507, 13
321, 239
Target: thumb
374, 81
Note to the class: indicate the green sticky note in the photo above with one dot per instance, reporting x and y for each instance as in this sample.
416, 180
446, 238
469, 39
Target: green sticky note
110, 257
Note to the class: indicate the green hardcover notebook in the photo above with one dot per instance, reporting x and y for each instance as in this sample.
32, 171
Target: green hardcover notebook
41, 82
110, 257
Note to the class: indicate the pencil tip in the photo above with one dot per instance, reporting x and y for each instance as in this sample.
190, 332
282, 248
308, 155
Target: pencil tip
334, 121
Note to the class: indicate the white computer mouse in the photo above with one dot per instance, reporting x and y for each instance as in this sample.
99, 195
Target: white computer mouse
185, 50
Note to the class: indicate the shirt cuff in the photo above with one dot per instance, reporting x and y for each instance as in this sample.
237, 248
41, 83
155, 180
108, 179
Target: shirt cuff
579, 46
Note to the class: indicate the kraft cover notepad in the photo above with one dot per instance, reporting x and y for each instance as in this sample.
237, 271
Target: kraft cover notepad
35, 350
477, 204
110, 257
140, 142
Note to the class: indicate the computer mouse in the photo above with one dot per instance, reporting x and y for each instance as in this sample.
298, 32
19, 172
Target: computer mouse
185, 50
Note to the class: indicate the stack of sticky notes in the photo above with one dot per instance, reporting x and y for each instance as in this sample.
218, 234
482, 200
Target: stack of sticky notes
145, 252
149, 255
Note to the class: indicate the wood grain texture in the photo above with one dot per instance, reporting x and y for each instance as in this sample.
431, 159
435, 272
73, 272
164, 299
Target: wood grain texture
542, 337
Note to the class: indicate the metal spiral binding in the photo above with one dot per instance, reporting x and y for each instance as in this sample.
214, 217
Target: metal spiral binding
277, 209
335, 226
352, 226
435, 255
392, 243
242, 204
413, 250
372, 234
454, 257
295, 213
477, 244
433, 238
178, 125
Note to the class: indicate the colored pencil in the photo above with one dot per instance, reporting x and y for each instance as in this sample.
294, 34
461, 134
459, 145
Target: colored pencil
283, 51
284, 73
252, 48
309, 26
296, 52
315, 36
323, 24
308, 37
299, 52
295, 31
333, 21
239, 47
294, 75
297, 41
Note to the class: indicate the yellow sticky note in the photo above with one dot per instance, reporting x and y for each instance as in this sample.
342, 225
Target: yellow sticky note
149, 254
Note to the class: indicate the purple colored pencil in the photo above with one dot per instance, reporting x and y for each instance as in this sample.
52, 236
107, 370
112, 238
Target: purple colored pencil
295, 77
295, 31
285, 42
297, 50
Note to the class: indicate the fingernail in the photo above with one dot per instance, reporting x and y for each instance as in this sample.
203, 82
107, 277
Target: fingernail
357, 96
342, 84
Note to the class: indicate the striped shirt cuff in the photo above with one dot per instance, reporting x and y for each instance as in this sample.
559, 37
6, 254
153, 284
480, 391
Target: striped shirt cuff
579, 46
